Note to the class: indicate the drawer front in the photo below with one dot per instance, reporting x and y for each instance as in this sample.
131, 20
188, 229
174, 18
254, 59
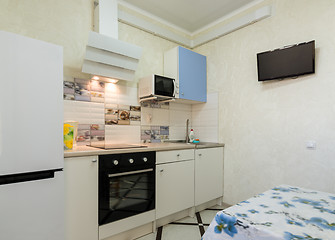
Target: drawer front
174, 156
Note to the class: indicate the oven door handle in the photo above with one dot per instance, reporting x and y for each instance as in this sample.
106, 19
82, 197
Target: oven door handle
130, 173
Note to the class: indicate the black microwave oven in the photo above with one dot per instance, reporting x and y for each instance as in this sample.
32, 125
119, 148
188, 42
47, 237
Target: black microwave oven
158, 87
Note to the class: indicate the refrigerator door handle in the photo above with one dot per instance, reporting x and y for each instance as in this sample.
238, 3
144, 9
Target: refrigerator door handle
25, 177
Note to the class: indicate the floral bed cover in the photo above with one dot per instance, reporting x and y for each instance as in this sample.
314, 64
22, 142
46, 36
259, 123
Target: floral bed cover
284, 212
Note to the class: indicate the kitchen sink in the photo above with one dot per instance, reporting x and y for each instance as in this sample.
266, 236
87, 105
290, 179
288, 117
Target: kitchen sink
184, 141
175, 141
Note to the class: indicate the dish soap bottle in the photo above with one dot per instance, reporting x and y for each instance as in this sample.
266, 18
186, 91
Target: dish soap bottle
191, 136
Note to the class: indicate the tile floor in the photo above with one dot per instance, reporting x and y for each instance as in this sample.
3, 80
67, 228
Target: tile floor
187, 228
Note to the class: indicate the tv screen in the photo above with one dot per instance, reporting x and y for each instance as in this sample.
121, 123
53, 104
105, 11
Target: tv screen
286, 62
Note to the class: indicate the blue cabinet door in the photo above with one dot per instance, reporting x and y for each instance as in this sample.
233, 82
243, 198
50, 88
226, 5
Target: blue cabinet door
192, 75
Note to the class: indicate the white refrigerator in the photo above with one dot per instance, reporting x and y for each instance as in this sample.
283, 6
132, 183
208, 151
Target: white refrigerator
31, 139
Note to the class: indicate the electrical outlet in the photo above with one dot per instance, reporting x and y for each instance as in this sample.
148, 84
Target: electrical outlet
311, 144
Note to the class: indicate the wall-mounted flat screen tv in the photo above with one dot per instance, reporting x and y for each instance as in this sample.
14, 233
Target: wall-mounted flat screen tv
286, 62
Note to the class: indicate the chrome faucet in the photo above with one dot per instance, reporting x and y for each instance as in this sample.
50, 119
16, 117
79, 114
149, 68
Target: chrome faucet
187, 137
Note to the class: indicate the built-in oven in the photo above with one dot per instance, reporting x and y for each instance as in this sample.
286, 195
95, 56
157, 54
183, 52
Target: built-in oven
126, 185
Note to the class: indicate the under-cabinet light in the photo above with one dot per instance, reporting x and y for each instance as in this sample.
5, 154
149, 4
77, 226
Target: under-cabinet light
105, 79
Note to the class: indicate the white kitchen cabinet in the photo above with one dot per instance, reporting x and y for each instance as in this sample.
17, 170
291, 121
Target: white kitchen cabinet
208, 174
81, 197
174, 182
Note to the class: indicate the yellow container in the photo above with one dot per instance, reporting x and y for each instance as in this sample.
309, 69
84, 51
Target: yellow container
68, 136
74, 124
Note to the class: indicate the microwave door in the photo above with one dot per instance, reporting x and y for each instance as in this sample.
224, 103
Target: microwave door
164, 86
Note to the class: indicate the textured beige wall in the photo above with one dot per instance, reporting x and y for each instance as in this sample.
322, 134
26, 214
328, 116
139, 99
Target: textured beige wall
67, 23
265, 125
153, 49
61, 22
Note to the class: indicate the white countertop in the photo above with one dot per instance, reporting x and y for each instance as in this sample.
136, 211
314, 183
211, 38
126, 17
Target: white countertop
81, 151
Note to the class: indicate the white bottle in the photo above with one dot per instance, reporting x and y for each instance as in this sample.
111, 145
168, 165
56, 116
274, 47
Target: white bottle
191, 136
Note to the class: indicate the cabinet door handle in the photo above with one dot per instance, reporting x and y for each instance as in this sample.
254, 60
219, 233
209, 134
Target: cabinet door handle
178, 155
94, 160
162, 170
200, 154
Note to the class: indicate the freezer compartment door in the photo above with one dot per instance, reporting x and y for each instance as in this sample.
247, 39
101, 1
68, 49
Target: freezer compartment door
31, 105
33, 210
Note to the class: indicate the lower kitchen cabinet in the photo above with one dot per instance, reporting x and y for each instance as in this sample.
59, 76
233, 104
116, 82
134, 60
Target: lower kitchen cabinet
184, 179
81, 196
174, 186
208, 174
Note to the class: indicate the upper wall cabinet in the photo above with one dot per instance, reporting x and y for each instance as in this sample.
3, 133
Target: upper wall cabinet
190, 71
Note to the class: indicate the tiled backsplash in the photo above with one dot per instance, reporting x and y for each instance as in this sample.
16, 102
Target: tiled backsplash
84, 90
111, 112
172, 115
122, 114
90, 133
205, 119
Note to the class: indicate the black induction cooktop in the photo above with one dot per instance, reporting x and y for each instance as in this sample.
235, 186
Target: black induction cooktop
117, 146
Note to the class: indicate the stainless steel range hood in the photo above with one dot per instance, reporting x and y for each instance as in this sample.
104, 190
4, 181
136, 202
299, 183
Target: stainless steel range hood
106, 56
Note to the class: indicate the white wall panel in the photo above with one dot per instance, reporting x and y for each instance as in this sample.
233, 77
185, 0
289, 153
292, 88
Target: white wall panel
122, 134
177, 133
160, 117
178, 118
180, 106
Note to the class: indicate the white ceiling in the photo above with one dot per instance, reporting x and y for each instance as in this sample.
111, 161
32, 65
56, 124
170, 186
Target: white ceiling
190, 15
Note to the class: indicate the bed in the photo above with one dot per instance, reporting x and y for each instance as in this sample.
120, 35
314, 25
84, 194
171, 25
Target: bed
284, 212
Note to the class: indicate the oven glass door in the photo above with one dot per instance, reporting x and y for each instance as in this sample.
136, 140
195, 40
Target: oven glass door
126, 194
164, 86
